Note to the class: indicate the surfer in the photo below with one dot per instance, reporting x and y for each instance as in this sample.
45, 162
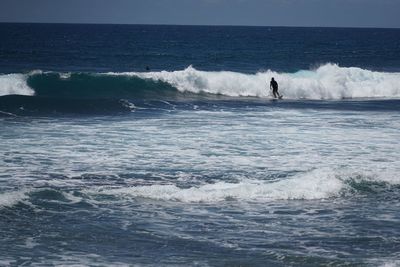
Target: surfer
274, 86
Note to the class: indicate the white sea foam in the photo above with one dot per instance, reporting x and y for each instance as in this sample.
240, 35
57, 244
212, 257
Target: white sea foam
393, 263
317, 184
14, 84
327, 82
9, 199
65, 76
389, 177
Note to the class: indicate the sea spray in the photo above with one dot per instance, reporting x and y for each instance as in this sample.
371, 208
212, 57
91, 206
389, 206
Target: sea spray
14, 84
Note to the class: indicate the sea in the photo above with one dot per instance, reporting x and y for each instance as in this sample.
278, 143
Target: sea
157, 145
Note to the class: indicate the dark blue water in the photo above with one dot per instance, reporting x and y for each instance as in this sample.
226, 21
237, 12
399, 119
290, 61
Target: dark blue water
191, 162
101, 48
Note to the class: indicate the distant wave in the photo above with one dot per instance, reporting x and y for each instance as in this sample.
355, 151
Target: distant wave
326, 82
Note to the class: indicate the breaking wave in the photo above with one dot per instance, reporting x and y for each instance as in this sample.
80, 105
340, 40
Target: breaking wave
15, 84
317, 184
9, 199
326, 82
41, 92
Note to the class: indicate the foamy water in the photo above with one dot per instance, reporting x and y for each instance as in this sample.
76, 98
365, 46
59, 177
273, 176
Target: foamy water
14, 84
230, 177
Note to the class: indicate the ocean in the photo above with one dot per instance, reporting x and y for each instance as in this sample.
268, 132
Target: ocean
140, 145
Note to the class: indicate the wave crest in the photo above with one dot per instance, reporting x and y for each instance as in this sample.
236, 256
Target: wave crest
314, 185
326, 82
9, 199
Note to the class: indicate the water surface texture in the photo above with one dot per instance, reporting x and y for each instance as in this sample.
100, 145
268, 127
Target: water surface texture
191, 162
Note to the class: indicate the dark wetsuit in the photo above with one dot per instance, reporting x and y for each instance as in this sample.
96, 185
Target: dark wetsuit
274, 86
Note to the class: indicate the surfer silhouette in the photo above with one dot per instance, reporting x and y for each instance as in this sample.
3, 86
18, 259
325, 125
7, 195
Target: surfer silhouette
274, 86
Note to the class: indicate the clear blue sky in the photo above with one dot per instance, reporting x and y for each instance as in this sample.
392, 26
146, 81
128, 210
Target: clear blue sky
331, 13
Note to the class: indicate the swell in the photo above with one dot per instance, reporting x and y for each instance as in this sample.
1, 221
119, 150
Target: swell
95, 85
51, 93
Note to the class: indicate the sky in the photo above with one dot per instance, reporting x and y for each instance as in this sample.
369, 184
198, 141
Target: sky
314, 13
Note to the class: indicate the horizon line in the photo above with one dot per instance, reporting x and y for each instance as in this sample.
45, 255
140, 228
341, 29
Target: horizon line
199, 25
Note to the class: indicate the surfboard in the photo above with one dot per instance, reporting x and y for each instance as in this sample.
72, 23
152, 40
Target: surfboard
278, 98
